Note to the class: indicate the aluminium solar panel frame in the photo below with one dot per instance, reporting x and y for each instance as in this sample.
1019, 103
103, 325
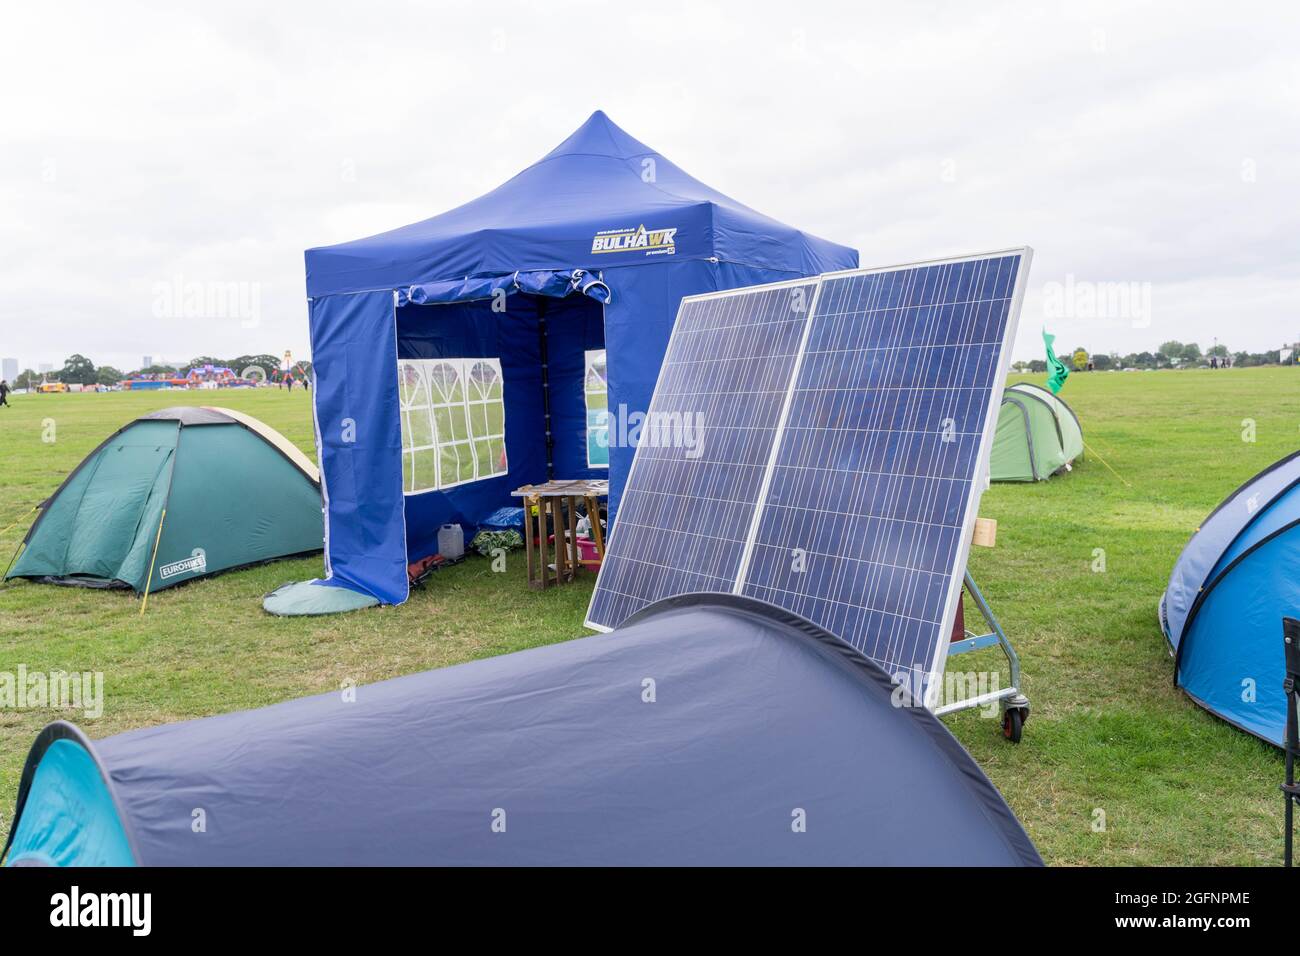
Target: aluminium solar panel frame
1009, 697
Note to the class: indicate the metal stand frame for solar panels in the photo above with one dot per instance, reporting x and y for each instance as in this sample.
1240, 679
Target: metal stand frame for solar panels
1011, 700
1014, 704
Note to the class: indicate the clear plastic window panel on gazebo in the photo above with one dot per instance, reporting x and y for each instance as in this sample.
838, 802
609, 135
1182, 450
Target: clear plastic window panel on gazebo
596, 395
453, 422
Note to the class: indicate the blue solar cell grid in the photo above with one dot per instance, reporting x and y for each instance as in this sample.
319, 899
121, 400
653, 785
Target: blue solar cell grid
838, 450
865, 518
689, 502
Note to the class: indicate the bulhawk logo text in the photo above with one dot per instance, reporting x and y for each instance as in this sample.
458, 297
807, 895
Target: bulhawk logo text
653, 242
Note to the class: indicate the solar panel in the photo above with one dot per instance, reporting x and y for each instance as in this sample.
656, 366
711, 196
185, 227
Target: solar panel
866, 520
688, 506
861, 519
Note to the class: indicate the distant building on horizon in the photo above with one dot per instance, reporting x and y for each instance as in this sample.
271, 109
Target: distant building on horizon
146, 361
9, 369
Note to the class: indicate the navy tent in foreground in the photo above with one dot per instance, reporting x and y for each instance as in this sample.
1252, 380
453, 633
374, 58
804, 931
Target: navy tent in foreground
1222, 612
504, 301
710, 729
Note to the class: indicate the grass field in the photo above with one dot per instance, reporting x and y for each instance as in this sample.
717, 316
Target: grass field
1109, 733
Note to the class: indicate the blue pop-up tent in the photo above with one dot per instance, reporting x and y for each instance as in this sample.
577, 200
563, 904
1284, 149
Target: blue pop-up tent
1222, 612
475, 337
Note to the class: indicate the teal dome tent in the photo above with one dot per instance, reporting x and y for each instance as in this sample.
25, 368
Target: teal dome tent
172, 496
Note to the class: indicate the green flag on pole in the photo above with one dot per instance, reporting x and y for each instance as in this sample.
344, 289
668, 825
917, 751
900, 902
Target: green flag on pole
1057, 372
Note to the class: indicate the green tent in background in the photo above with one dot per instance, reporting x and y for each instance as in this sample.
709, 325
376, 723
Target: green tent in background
1038, 435
176, 495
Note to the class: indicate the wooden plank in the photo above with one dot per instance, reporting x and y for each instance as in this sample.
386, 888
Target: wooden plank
597, 533
575, 556
580, 487
543, 562
529, 545
986, 533
557, 525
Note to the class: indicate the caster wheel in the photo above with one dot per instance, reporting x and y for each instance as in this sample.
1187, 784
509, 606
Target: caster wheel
1013, 724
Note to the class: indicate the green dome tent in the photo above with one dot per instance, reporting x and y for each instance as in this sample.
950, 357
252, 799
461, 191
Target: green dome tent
1038, 435
172, 496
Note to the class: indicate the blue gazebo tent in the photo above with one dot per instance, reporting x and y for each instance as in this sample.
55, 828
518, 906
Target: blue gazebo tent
463, 356
1236, 579
708, 730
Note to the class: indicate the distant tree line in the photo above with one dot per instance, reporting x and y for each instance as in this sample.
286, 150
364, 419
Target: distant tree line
79, 370
1172, 354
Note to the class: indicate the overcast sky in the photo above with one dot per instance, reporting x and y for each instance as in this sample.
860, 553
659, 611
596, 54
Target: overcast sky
1149, 153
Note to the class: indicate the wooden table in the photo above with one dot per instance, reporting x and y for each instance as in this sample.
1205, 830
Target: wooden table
560, 500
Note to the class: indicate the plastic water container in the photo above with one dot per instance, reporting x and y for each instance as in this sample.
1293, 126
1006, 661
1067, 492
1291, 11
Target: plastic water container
451, 542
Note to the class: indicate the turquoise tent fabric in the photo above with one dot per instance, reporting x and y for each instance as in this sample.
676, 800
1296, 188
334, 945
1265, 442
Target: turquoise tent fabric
68, 816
